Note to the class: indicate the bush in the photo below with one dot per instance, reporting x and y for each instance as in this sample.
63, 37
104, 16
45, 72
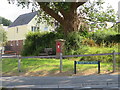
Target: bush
99, 50
105, 36
35, 43
73, 43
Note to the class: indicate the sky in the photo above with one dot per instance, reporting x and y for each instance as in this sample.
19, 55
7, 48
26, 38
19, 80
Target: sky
12, 11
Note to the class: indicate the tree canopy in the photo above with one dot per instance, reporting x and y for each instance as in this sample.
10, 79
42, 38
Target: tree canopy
5, 21
3, 36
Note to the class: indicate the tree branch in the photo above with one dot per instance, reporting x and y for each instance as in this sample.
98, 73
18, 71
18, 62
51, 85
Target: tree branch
75, 5
51, 12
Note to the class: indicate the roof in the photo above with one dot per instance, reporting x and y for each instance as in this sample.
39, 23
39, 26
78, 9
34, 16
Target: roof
23, 19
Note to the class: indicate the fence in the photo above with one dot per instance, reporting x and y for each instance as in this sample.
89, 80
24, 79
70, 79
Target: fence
65, 56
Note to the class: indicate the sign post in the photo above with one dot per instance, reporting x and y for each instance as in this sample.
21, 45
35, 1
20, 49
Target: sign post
74, 67
86, 62
98, 67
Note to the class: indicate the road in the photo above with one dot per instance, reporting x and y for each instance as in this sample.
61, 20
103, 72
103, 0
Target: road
90, 81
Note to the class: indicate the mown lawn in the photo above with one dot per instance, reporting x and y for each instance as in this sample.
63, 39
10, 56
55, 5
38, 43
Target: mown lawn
50, 67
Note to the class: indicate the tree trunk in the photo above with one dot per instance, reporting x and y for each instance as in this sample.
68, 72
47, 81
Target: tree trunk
71, 23
70, 20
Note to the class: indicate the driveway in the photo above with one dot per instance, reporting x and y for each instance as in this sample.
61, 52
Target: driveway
91, 81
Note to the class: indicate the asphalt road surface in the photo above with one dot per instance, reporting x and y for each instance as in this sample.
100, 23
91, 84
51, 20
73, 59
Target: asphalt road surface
76, 82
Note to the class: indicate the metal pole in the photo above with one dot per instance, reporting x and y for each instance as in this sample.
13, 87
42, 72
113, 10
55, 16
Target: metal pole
98, 67
114, 62
19, 64
74, 67
61, 62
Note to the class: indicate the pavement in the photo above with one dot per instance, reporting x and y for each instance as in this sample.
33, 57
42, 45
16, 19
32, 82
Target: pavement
106, 82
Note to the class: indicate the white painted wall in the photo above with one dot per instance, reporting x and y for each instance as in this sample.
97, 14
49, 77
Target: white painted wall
42, 26
13, 34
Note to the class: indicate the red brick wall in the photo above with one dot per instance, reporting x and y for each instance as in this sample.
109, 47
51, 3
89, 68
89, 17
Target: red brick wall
15, 46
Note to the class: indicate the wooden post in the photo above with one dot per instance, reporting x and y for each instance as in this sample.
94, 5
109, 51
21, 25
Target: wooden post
114, 62
61, 62
74, 67
19, 64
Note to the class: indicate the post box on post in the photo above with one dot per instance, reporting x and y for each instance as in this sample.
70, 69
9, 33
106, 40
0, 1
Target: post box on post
60, 50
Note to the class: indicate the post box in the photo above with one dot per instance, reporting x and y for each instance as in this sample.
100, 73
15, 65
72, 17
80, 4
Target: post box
59, 47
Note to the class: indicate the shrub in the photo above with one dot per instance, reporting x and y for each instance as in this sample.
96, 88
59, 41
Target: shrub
105, 36
35, 43
73, 43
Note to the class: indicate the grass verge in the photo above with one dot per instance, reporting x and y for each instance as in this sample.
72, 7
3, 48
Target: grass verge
50, 67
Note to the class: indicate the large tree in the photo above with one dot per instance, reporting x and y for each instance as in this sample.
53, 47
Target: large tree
65, 13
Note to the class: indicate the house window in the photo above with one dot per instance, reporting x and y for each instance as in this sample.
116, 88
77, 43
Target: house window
34, 29
46, 28
17, 30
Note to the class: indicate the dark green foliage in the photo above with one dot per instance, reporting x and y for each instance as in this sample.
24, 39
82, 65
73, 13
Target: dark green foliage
4, 21
105, 36
74, 43
35, 43
113, 38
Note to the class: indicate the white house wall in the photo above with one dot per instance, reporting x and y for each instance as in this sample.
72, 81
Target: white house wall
17, 33
41, 25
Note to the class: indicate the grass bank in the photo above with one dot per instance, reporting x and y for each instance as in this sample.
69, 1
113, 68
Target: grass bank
50, 67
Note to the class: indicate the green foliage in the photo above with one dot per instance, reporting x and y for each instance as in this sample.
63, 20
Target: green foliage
73, 43
35, 43
100, 50
76, 42
3, 37
4, 21
105, 36
95, 13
